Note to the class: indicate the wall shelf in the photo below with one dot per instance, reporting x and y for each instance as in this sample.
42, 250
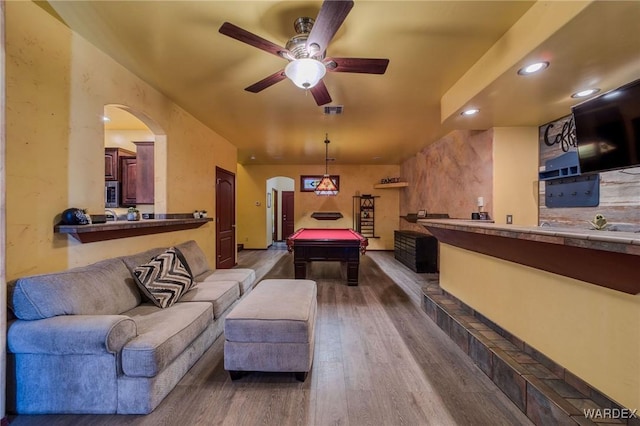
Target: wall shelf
326, 215
124, 229
562, 166
391, 185
413, 217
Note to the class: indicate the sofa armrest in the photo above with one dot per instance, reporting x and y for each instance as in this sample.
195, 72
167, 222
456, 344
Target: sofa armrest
71, 334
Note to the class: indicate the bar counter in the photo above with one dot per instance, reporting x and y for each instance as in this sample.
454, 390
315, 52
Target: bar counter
605, 258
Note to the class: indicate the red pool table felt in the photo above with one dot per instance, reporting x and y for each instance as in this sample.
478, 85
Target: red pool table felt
332, 234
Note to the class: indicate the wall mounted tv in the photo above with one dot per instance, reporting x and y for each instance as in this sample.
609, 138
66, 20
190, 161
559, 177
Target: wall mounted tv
608, 130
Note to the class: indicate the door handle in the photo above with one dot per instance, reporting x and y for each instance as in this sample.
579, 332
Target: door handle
233, 226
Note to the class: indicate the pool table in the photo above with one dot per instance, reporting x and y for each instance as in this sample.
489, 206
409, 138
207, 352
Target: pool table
322, 244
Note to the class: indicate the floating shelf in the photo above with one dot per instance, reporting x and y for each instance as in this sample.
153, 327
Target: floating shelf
124, 229
326, 215
391, 185
413, 217
562, 166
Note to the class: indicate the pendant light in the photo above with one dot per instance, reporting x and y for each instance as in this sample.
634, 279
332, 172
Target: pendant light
326, 185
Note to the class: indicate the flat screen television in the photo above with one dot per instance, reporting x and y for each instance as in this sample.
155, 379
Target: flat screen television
608, 130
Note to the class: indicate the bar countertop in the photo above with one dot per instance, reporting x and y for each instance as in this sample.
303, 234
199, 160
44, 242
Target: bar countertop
623, 242
601, 257
123, 229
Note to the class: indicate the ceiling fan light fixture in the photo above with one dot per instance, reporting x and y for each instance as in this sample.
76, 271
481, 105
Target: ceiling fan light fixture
305, 72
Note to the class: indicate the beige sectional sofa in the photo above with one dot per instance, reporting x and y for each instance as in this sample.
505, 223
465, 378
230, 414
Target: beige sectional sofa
85, 340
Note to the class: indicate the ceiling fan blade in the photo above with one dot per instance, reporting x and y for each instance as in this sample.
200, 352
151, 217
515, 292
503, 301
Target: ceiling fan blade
245, 36
332, 14
320, 93
266, 82
361, 65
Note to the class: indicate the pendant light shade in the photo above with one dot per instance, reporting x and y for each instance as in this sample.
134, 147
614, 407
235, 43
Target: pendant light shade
326, 185
305, 73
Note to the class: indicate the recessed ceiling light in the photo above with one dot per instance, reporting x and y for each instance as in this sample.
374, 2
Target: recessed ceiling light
533, 68
471, 111
585, 93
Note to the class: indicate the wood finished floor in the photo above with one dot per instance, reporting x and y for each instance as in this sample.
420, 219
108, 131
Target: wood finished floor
379, 360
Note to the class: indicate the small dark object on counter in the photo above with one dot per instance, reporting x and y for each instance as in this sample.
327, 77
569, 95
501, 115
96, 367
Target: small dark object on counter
74, 216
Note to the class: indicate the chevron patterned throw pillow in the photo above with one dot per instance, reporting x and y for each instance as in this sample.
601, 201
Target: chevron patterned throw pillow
164, 278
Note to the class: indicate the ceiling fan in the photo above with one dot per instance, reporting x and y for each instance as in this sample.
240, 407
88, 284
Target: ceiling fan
306, 52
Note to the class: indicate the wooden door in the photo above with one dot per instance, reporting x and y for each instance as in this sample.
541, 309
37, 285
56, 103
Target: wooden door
275, 214
225, 219
288, 222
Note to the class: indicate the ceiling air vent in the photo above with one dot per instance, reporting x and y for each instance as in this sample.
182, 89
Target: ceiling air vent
333, 110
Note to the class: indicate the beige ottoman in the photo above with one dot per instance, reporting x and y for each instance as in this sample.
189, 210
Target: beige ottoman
272, 329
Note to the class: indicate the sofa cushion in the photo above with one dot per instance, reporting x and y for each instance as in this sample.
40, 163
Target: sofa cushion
195, 257
244, 276
163, 334
221, 294
102, 288
164, 278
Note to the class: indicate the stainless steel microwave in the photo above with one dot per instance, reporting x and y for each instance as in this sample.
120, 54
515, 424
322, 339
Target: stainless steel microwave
111, 194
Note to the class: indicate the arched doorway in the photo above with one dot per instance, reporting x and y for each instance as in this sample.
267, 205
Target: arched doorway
280, 200
124, 129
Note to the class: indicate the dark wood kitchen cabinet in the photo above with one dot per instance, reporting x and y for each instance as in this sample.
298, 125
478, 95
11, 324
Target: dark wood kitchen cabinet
128, 181
112, 158
145, 175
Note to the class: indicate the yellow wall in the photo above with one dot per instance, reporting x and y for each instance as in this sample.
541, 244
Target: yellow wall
251, 224
590, 330
57, 87
3, 293
515, 175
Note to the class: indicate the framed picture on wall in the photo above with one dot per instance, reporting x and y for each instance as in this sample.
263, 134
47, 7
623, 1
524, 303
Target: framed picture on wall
308, 183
